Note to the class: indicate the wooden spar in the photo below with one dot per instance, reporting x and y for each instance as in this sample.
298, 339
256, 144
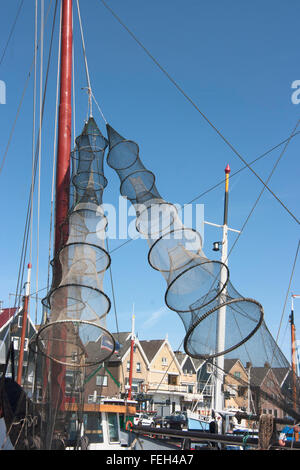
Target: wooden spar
64, 128
24, 325
62, 184
131, 359
294, 357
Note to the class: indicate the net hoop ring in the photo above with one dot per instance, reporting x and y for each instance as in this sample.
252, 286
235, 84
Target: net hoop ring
35, 343
132, 175
97, 247
102, 294
147, 234
232, 348
161, 239
119, 143
184, 272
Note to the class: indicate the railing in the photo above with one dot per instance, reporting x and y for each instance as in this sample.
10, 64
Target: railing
167, 387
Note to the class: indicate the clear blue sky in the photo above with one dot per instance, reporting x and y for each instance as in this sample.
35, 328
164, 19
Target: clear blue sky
237, 61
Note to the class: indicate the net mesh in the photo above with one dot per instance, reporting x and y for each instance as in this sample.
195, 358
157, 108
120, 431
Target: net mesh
74, 339
78, 305
196, 286
199, 288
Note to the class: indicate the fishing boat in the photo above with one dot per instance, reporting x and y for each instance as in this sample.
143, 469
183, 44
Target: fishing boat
73, 339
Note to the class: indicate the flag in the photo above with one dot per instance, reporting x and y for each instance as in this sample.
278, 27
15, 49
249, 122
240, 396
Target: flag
106, 343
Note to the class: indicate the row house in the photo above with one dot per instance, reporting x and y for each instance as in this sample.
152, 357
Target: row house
162, 381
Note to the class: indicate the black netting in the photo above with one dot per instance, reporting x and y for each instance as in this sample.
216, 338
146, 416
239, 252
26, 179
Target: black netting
198, 289
76, 333
196, 286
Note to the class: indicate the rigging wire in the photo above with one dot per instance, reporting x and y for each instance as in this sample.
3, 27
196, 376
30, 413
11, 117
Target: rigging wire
220, 182
287, 293
89, 88
11, 31
54, 151
39, 156
91, 96
173, 81
26, 229
114, 299
33, 129
20, 104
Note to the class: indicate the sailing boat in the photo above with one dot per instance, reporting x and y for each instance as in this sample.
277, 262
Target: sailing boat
74, 336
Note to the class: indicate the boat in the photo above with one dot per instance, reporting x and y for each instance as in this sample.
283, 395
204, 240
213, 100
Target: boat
73, 339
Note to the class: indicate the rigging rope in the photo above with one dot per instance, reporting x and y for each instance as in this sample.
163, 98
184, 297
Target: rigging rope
91, 96
172, 80
11, 31
54, 149
39, 156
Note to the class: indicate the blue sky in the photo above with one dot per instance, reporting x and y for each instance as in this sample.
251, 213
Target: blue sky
237, 61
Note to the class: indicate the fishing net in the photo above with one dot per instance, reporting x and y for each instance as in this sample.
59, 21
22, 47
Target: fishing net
197, 287
76, 333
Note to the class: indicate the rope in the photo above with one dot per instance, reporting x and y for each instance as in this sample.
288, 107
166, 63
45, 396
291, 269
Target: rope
89, 88
265, 431
33, 130
26, 230
197, 108
91, 96
54, 150
39, 155
114, 301
11, 31
287, 294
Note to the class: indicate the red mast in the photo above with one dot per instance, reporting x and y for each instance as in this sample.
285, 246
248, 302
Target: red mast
64, 127
131, 359
62, 181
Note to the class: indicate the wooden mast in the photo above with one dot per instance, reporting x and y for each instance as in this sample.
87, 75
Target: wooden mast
294, 356
24, 326
62, 183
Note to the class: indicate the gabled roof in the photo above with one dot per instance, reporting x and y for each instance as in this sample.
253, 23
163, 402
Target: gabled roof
124, 340
281, 374
258, 375
151, 347
180, 356
5, 315
229, 363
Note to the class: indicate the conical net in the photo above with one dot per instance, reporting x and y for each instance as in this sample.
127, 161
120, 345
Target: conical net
198, 288
76, 333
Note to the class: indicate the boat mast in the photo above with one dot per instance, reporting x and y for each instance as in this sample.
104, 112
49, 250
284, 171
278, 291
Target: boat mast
24, 325
221, 322
131, 357
64, 128
63, 172
294, 355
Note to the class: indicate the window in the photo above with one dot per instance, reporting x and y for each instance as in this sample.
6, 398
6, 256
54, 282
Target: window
190, 388
209, 368
74, 356
164, 361
93, 427
113, 427
101, 380
128, 365
138, 367
20, 318
237, 375
15, 340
